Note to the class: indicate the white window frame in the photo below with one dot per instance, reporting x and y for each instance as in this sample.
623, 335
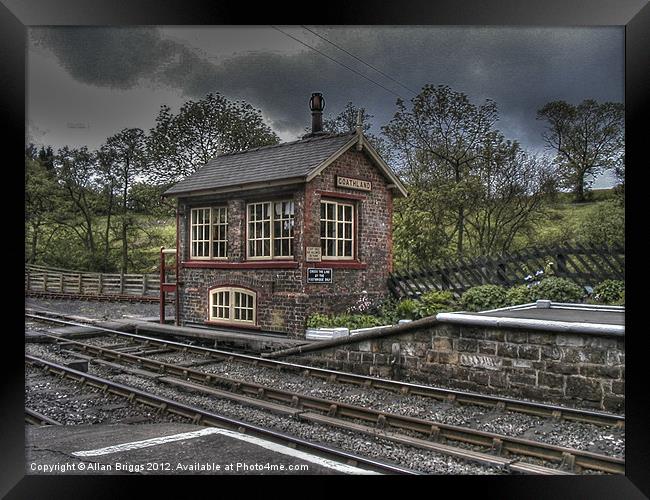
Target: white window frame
271, 236
210, 228
336, 238
231, 291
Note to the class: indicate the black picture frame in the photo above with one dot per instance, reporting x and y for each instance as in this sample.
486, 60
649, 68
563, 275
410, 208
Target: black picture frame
16, 15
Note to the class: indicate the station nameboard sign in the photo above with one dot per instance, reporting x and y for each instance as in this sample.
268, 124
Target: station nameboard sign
313, 254
319, 275
350, 183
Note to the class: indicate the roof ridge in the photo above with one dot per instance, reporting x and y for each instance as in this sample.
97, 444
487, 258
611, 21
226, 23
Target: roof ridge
269, 146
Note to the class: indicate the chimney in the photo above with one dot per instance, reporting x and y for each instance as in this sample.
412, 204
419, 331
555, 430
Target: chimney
316, 105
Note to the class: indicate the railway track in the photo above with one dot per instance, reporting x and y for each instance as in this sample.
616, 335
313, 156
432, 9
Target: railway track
441, 394
35, 418
201, 416
496, 449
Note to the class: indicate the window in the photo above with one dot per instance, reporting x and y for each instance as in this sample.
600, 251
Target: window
209, 233
270, 230
233, 305
336, 230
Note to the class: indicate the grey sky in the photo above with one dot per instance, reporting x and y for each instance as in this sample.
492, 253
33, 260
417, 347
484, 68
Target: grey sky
85, 84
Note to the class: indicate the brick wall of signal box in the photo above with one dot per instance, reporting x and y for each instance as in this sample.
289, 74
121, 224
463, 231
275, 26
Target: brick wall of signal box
284, 299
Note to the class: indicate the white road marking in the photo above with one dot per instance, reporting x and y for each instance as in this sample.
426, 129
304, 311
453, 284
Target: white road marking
135, 445
278, 448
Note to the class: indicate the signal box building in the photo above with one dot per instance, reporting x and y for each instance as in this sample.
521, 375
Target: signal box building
268, 236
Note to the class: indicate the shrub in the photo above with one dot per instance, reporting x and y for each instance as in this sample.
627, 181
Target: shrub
318, 320
407, 309
484, 297
621, 301
609, 292
518, 295
431, 303
557, 290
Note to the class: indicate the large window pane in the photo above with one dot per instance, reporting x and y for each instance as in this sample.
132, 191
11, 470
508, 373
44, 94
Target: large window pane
337, 234
270, 231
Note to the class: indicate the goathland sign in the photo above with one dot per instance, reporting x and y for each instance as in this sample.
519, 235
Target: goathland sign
351, 183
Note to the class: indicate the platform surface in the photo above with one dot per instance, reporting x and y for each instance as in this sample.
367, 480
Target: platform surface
164, 449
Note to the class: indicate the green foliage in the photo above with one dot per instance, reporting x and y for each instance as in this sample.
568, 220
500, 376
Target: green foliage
180, 143
604, 225
518, 295
557, 290
480, 298
351, 321
588, 137
609, 292
407, 309
432, 303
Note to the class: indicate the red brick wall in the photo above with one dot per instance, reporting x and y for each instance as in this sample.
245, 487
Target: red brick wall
284, 298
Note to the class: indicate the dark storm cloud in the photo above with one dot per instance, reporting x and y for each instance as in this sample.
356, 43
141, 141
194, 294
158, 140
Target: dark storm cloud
105, 56
519, 68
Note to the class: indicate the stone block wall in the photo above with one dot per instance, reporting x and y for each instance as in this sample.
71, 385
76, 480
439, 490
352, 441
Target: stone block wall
580, 370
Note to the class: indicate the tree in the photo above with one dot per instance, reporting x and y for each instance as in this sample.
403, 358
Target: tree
437, 143
124, 158
510, 189
76, 205
180, 143
346, 121
588, 139
40, 193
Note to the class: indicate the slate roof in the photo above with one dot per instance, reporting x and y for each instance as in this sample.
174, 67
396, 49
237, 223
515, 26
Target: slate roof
267, 163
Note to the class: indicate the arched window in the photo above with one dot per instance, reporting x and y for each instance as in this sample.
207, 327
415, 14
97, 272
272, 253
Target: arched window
233, 305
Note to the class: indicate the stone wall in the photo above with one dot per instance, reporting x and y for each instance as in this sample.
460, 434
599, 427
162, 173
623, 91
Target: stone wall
581, 370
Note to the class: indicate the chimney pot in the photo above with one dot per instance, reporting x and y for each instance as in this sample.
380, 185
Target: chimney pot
316, 105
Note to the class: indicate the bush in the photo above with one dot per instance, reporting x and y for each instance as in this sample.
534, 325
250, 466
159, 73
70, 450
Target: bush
431, 303
480, 298
609, 292
557, 290
407, 309
518, 295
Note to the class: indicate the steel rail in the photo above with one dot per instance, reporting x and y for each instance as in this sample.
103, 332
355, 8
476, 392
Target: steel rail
545, 410
431, 429
33, 417
200, 416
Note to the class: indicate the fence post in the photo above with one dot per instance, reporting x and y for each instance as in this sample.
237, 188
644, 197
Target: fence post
100, 282
45, 281
28, 280
79, 282
561, 263
121, 283
145, 278
162, 283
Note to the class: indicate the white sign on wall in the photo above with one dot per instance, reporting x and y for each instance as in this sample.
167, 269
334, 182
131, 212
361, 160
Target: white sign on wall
313, 254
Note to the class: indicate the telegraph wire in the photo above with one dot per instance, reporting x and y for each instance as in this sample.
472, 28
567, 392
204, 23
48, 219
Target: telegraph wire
337, 62
360, 60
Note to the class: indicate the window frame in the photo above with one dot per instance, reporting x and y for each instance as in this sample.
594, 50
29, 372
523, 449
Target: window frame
353, 241
210, 241
271, 239
231, 291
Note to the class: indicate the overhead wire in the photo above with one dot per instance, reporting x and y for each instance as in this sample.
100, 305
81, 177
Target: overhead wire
359, 59
337, 62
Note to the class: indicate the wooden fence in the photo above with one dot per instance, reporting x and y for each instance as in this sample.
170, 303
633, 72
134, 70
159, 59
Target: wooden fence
586, 265
39, 279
